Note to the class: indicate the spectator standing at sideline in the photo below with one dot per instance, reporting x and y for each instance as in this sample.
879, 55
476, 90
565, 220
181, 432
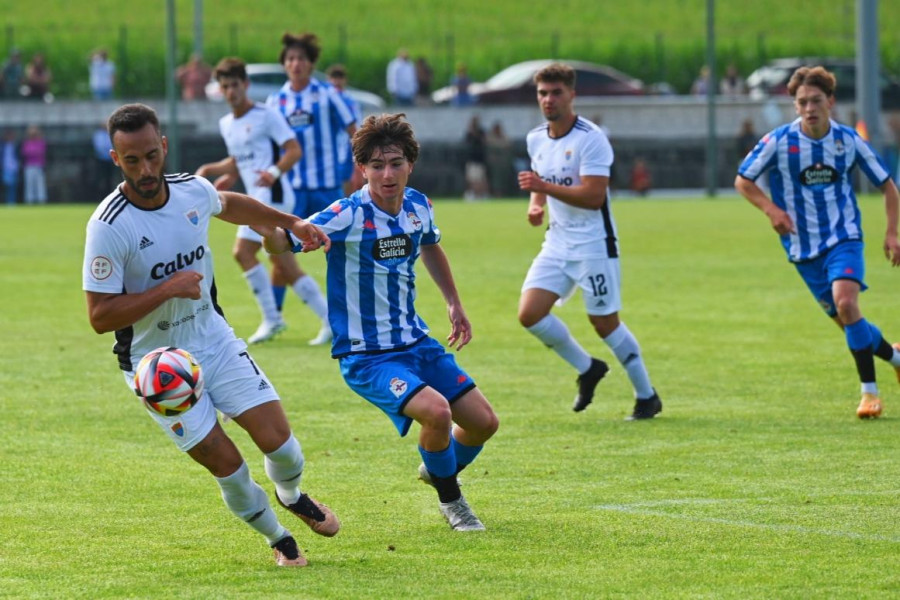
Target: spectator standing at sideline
460, 83
570, 166
10, 167
499, 153
38, 78
193, 77
732, 84
102, 76
316, 113
106, 169
475, 167
13, 75
746, 139
813, 209
402, 82
385, 352
34, 159
424, 80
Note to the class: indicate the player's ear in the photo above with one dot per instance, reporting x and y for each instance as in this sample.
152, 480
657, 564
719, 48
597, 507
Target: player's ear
165, 145
114, 157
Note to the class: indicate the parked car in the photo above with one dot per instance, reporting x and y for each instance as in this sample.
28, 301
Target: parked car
772, 79
514, 84
267, 78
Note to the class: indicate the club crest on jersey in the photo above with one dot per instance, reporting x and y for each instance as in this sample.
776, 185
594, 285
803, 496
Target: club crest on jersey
178, 429
299, 118
839, 147
414, 220
101, 268
193, 216
398, 386
568, 155
818, 174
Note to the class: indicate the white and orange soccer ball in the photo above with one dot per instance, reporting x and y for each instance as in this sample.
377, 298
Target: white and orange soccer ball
169, 381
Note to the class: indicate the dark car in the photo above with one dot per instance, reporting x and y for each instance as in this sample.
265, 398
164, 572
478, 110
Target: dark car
772, 79
514, 84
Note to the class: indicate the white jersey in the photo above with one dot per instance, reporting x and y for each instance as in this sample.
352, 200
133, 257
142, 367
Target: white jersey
574, 233
254, 140
130, 250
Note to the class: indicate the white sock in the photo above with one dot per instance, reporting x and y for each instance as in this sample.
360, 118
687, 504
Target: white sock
284, 467
249, 503
554, 333
624, 345
310, 292
895, 358
869, 388
258, 280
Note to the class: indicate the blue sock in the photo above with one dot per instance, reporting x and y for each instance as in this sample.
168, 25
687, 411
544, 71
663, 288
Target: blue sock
442, 464
279, 291
464, 454
859, 335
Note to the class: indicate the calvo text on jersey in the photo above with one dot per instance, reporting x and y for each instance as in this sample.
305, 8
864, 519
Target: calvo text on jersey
182, 261
567, 181
394, 247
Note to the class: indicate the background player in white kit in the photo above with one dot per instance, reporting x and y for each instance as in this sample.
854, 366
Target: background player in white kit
148, 276
253, 133
570, 161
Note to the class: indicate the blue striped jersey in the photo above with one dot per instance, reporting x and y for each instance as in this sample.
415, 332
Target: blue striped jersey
811, 180
371, 279
316, 114
345, 154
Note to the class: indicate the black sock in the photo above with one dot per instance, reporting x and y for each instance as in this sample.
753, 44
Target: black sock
884, 351
865, 364
447, 487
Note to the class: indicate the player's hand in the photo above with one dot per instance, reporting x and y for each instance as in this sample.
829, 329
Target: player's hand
185, 284
530, 181
265, 179
535, 214
781, 221
460, 328
223, 183
892, 249
310, 236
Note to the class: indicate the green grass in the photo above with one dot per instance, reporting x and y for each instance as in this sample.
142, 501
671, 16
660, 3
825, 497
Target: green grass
757, 481
653, 40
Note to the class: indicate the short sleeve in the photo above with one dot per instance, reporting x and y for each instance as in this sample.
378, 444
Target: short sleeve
105, 254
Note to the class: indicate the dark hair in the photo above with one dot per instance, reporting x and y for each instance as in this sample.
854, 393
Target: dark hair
130, 118
307, 42
814, 76
231, 66
556, 73
381, 132
336, 70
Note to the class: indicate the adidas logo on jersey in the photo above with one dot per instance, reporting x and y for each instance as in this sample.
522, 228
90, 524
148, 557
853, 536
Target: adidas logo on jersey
145, 243
263, 385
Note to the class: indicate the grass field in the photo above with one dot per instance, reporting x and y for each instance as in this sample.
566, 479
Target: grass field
653, 40
757, 481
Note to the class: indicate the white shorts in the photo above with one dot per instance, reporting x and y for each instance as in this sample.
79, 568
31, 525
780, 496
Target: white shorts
245, 233
233, 384
598, 278
286, 206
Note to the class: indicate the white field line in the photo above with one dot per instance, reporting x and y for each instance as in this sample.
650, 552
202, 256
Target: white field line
648, 509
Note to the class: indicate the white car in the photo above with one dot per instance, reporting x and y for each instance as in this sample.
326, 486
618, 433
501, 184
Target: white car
267, 79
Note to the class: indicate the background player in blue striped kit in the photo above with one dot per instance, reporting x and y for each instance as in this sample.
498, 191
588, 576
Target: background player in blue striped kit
813, 209
317, 113
385, 353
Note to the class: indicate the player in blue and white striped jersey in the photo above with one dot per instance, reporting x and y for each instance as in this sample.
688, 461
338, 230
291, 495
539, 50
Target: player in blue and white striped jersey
350, 177
317, 113
813, 208
385, 352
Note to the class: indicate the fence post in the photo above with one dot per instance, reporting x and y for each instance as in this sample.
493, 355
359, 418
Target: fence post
342, 43
123, 81
660, 48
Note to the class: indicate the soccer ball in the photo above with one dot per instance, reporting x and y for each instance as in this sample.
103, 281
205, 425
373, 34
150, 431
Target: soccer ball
169, 381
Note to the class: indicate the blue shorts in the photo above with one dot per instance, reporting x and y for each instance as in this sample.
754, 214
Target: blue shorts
844, 261
309, 202
389, 380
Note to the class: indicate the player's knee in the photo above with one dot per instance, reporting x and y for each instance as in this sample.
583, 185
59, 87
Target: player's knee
528, 317
436, 416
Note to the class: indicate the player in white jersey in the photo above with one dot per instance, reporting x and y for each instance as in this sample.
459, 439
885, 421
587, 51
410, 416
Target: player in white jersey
148, 276
813, 209
253, 133
317, 113
570, 166
385, 353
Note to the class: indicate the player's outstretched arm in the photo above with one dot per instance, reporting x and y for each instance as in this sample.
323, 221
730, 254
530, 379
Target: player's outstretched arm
892, 211
111, 312
780, 220
224, 171
590, 193
244, 210
435, 260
